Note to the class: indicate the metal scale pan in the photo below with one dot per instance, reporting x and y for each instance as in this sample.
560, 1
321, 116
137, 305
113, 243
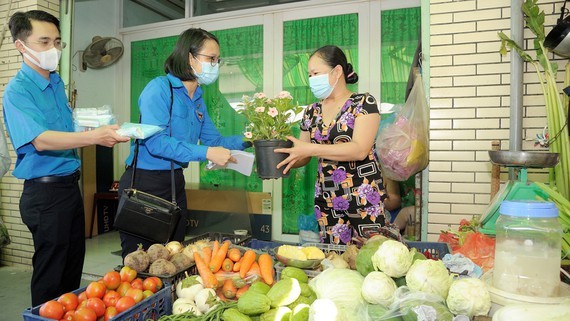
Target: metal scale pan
516, 189
524, 159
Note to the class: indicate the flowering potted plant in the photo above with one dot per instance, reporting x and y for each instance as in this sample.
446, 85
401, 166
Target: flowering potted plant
270, 122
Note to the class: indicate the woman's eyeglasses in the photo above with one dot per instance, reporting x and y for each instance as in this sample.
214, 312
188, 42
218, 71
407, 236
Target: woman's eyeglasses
213, 59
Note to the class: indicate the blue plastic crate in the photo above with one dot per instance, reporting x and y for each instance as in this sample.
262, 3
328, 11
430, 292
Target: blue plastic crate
437, 249
151, 308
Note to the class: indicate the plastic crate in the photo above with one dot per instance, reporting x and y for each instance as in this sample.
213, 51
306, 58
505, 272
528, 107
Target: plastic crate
264, 246
436, 249
220, 237
151, 308
338, 248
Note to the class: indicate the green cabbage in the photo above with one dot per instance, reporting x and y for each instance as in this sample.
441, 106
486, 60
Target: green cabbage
364, 256
468, 296
343, 288
429, 276
393, 258
378, 288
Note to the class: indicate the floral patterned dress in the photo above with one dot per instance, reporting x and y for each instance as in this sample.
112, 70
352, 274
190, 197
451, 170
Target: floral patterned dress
348, 195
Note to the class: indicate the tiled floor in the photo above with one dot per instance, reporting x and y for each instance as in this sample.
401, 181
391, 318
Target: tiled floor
15, 282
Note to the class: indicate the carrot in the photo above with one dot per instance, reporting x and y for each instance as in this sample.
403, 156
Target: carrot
234, 254
237, 266
227, 265
207, 254
241, 291
266, 268
218, 258
228, 289
247, 261
254, 270
208, 278
220, 294
215, 248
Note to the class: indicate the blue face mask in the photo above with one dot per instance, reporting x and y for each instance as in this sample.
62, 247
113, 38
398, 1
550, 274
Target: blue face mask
209, 73
320, 85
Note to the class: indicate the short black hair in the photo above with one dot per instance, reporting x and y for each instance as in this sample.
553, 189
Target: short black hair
190, 41
20, 23
333, 56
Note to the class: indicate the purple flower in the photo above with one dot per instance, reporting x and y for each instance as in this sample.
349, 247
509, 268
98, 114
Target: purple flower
338, 175
350, 120
319, 136
373, 210
373, 198
307, 123
343, 232
318, 213
364, 190
339, 203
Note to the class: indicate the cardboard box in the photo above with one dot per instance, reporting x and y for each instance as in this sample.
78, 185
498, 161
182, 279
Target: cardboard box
226, 211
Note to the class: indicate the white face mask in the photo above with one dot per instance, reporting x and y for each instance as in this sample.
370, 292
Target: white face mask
48, 60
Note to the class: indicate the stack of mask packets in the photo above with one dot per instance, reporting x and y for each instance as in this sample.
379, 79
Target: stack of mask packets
89, 118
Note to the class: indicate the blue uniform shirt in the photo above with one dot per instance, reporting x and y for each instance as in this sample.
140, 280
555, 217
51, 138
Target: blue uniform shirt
32, 105
190, 124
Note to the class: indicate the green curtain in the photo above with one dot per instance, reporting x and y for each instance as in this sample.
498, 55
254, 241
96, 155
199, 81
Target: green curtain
300, 39
147, 62
241, 74
399, 40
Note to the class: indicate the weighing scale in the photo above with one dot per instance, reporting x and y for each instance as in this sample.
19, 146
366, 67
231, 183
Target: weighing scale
519, 189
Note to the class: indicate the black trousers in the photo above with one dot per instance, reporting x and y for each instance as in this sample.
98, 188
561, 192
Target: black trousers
156, 183
54, 214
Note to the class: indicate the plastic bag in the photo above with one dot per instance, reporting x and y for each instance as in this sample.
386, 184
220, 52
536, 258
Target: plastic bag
139, 131
402, 147
308, 229
88, 118
480, 248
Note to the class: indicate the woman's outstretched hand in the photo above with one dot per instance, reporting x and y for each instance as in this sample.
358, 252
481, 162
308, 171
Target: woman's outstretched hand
299, 151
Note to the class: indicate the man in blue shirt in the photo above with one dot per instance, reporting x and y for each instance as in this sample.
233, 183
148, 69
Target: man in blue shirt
39, 123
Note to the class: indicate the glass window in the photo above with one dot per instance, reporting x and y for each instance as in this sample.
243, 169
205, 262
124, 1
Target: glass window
205, 7
141, 12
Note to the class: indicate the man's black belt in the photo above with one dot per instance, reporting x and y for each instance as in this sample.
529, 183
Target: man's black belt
67, 179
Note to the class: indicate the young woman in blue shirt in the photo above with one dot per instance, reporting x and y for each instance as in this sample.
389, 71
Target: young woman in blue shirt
193, 63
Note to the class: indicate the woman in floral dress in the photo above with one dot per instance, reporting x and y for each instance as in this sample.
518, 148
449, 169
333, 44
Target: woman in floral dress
340, 130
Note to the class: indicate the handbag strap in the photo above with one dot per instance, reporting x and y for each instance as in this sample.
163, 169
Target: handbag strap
135, 158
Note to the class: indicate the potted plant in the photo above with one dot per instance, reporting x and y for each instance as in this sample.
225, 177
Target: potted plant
270, 122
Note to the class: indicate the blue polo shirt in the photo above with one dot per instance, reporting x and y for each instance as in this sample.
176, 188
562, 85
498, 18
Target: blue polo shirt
190, 124
32, 105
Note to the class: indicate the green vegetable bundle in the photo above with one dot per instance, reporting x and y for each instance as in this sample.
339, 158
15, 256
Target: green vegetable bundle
556, 111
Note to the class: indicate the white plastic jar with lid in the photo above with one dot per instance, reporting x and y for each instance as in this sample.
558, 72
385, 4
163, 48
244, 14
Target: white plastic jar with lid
527, 250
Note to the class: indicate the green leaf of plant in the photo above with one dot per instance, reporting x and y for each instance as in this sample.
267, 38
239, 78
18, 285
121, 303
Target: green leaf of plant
506, 41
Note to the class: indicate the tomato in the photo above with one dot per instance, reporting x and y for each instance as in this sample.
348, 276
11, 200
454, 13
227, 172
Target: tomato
68, 316
137, 283
111, 298
95, 290
69, 301
84, 314
112, 280
150, 284
158, 282
81, 297
127, 274
96, 305
123, 288
52, 310
136, 294
124, 303
147, 293
111, 312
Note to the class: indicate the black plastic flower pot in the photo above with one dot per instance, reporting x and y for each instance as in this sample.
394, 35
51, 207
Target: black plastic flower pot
266, 159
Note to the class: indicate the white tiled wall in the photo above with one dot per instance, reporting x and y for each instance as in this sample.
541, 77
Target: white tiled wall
470, 104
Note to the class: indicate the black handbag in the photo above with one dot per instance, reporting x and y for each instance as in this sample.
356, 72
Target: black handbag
145, 215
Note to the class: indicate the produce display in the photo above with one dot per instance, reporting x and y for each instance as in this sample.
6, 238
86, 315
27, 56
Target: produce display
382, 280
104, 299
